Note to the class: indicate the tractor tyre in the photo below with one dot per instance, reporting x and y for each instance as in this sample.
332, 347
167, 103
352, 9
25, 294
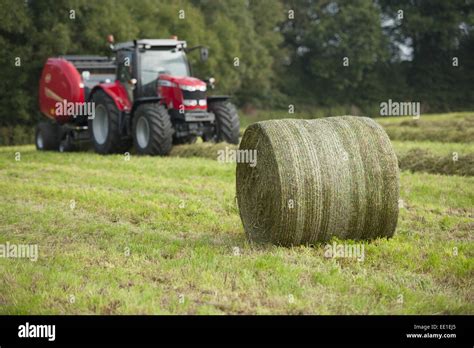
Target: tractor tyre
47, 136
227, 122
104, 128
152, 130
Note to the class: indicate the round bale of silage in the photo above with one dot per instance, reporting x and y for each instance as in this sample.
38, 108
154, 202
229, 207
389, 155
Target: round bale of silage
316, 179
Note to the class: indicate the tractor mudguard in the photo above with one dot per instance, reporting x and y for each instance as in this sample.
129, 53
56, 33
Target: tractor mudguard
214, 98
139, 101
117, 92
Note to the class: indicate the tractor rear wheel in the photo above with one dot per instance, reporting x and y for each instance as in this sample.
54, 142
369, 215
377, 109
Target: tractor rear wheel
47, 136
227, 122
152, 130
104, 127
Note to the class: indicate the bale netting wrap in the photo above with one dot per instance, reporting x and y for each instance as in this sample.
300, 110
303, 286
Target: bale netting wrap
318, 179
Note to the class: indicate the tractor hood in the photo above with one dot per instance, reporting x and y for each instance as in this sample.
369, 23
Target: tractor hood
184, 82
183, 91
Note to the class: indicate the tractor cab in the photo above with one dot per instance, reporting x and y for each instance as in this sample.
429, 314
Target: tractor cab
141, 63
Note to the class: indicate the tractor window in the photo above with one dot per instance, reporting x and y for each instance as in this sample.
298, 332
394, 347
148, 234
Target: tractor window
156, 62
124, 66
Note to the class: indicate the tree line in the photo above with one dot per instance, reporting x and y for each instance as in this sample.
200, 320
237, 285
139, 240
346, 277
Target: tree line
267, 53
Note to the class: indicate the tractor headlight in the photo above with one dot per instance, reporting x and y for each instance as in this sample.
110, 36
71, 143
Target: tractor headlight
187, 88
202, 102
193, 88
190, 102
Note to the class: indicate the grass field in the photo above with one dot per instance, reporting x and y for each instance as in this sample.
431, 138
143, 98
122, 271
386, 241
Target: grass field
163, 235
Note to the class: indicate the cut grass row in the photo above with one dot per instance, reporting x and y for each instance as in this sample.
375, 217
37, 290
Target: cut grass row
437, 134
178, 219
260, 115
447, 128
418, 160
209, 150
436, 148
450, 127
441, 158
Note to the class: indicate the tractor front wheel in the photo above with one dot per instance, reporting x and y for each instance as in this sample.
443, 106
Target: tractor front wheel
47, 136
152, 130
227, 122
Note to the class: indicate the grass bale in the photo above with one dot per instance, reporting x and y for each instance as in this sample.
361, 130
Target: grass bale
318, 179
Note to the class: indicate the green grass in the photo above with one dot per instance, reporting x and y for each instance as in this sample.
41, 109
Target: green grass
246, 118
437, 148
455, 127
432, 157
453, 116
259, 115
178, 218
442, 128
422, 160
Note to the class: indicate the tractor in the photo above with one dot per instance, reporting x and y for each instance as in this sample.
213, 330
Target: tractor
145, 96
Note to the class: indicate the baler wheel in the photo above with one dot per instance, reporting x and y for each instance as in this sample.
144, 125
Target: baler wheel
47, 136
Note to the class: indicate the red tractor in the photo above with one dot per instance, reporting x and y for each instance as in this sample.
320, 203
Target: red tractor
145, 96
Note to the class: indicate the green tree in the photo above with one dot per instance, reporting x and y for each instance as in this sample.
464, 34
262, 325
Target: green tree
246, 45
333, 46
437, 31
15, 62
